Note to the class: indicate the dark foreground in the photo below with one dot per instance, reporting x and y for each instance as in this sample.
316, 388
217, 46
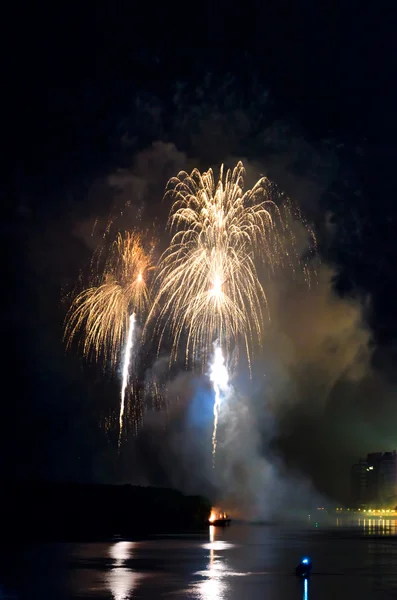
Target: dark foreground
242, 561
69, 511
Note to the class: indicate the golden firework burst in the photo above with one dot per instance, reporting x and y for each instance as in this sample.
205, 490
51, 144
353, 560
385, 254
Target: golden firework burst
207, 285
102, 311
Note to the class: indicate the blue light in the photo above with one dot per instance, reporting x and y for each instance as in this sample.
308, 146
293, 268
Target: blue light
200, 412
306, 590
305, 561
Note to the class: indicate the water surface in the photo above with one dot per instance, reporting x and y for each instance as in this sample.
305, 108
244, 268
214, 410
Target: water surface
240, 562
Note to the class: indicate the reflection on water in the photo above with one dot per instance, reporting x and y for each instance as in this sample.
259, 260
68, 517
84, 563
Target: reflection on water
371, 525
378, 526
305, 589
212, 587
238, 563
121, 580
121, 583
215, 582
120, 552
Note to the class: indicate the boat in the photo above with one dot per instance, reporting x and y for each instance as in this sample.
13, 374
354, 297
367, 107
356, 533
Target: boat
220, 522
219, 519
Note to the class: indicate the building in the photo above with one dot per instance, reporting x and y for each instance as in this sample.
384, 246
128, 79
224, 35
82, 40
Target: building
374, 480
359, 483
387, 478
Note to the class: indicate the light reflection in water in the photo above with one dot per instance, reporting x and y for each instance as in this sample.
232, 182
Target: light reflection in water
212, 539
372, 525
378, 526
305, 589
213, 587
120, 552
121, 580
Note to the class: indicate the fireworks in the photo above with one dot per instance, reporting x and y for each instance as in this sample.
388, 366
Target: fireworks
207, 283
102, 311
126, 368
220, 379
105, 312
207, 292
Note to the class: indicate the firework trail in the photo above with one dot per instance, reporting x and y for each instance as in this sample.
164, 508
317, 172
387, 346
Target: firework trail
105, 313
207, 286
219, 378
126, 369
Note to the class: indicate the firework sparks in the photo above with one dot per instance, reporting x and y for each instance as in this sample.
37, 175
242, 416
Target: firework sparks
220, 379
207, 286
126, 370
106, 312
207, 283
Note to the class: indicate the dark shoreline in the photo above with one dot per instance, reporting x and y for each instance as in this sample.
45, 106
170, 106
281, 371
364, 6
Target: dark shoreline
82, 512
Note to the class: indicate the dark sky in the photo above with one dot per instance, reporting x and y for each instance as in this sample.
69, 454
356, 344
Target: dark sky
306, 94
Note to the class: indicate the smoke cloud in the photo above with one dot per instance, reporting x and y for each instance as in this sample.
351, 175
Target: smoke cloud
314, 342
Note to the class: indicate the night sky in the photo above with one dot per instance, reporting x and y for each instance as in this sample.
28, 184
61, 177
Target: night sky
106, 104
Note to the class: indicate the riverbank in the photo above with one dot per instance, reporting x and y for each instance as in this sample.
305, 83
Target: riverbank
70, 511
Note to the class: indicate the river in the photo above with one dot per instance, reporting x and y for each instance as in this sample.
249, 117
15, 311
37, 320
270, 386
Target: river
244, 562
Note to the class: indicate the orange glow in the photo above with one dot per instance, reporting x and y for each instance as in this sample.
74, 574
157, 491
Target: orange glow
217, 515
